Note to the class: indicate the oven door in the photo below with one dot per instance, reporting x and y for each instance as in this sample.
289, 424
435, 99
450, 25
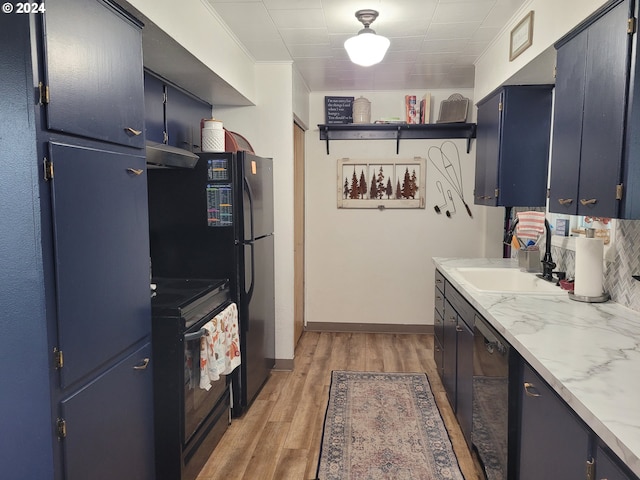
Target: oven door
198, 402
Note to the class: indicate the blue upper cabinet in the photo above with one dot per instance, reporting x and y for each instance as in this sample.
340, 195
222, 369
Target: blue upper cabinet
154, 93
512, 147
94, 72
592, 172
183, 114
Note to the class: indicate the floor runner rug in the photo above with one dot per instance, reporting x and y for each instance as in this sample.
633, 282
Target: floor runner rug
384, 426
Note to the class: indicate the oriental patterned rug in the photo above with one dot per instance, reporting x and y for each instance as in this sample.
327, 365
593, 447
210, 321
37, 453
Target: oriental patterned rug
384, 426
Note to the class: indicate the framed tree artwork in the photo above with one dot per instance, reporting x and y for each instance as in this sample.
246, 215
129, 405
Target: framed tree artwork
381, 184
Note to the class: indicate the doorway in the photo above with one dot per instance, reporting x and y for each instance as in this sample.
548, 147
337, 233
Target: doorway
298, 236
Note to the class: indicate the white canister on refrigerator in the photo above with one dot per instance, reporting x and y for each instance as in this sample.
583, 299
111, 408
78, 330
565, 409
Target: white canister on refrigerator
212, 135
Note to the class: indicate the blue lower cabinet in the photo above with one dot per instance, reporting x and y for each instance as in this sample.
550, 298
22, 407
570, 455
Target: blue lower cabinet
554, 442
106, 428
608, 467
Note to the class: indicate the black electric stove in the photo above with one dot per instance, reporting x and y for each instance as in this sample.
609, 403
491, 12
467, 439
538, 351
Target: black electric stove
189, 299
189, 420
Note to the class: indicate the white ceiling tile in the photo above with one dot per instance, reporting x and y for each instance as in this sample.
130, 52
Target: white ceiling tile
462, 12
311, 18
447, 31
302, 36
292, 4
434, 43
310, 51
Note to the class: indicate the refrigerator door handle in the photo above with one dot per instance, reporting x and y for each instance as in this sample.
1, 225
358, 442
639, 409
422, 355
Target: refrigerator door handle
249, 292
247, 188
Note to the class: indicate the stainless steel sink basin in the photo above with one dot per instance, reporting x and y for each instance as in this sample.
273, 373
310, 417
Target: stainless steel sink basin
507, 280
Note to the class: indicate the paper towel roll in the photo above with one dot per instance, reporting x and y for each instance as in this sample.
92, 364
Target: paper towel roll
588, 281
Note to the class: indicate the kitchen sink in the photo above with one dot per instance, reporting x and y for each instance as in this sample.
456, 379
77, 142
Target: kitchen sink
507, 280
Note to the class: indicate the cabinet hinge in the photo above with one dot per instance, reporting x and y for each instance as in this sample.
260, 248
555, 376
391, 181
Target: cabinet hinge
591, 469
555, 71
619, 191
44, 94
164, 97
48, 169
631, 25
58, 358
165, 138
548, 193
496, 192
61, 427
500, 107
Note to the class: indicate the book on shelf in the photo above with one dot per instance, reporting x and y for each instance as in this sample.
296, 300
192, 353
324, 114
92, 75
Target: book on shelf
425, 108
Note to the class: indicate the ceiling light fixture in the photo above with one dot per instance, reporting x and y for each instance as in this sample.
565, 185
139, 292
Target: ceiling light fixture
366, 48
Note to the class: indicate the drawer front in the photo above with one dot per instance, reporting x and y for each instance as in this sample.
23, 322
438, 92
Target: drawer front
438, 356
439, 281
438, 300
460, 305
438, 326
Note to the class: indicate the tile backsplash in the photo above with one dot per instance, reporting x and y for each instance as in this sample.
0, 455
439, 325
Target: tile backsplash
618, 280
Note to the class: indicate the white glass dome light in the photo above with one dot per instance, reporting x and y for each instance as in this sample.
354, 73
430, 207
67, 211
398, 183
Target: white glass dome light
367, 48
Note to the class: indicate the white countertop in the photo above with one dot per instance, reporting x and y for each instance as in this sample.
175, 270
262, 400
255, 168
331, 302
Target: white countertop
588, 353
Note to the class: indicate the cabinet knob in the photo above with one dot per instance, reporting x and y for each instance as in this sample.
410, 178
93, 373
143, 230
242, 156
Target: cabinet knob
530, 390
459, 328
132, 131
565, 201
143, 364
591, 201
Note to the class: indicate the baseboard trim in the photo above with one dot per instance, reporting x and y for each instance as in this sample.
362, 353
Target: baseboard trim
368, 328
284, 364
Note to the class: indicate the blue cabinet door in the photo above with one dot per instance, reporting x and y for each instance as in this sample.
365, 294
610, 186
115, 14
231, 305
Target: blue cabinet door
93, 69
488, 150
155, 126
605, 101
554, 443
513, 135
567, 126
101, 248
589, 116
608, 467
184, 113
109, 424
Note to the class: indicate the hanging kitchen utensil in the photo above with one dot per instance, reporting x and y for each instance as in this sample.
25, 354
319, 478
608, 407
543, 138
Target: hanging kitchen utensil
442, 156
438, 208
449, 213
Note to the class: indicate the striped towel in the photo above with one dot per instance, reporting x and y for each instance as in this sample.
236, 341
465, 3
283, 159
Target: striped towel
530, 225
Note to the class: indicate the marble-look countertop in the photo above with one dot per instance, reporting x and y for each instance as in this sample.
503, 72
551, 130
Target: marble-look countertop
588, 352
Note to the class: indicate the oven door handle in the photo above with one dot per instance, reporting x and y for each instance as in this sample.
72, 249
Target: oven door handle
190, 337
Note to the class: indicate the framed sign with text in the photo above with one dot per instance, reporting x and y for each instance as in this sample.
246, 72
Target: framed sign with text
338, 110
521, 36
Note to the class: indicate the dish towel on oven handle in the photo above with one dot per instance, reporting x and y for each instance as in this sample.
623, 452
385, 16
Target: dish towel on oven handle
220, 347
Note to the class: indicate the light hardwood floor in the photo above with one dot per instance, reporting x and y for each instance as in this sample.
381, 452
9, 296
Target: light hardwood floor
279, 437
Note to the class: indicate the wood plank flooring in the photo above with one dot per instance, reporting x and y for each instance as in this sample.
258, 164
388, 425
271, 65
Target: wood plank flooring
279, 437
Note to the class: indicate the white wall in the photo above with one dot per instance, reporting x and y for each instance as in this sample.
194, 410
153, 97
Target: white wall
552, 20
300, 99
195, 26
371, 266
268, 127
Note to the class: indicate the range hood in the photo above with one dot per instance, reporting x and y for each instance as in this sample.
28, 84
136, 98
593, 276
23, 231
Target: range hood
162, 155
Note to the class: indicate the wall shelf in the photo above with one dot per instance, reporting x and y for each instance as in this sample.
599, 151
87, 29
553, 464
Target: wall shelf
397, 132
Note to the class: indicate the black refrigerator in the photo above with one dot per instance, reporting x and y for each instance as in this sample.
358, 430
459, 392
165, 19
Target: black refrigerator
216, 221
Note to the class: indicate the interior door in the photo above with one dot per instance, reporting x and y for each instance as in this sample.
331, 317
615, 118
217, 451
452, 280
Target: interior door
298, 232
101, 241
